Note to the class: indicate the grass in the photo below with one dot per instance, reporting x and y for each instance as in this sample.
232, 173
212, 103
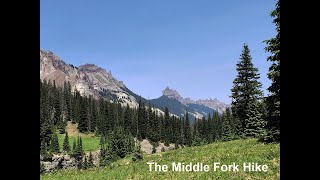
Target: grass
89, 142
237, 151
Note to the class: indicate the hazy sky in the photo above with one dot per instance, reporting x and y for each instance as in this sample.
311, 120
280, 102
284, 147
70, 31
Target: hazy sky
189, 45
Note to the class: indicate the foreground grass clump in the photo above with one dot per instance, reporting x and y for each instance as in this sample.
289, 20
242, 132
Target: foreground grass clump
237, 151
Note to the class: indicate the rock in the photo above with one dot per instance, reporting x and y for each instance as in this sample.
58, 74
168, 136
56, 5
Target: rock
166, 148
146, 146
49, 166
69, 164
66, 157
65, 161
57, 158
172, 94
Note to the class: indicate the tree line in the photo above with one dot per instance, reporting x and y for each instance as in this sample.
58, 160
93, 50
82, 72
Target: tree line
59, 105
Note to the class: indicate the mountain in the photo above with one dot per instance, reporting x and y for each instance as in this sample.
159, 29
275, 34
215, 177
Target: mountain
179, 105
213, 104
88, 79
179, 109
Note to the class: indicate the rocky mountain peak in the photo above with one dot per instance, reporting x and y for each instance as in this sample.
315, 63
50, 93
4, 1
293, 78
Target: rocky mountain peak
88, 79
171, 93
92, 68
211, 103
48, 54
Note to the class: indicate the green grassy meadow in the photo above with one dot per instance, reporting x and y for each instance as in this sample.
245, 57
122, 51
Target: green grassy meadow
89, 142
237, 151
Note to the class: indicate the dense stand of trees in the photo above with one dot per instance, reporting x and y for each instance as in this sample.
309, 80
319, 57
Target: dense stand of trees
105, 119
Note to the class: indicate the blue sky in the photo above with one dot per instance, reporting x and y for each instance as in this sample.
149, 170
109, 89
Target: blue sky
189, 45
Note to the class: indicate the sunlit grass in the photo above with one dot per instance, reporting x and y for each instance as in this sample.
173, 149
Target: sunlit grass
237, 151
89, 142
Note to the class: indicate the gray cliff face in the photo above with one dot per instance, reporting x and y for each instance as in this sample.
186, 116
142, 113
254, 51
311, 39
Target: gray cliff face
211, 103
88, 79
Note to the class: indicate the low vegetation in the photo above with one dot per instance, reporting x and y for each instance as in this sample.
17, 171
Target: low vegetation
237, 151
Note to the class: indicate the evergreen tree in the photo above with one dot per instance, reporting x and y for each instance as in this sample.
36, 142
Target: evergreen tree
61, 125
156, 127
83, 120
103, 114
182, 134
120, 116
167, 130
109, 155
151, 130
137, 155
45, 127
128, 118
210, 129
227, 132
120, 142
255, 123
66, 145
94, 116
187, 131
57, 106
54, 146
216, 126
273, 100
246, 95
74, 147
135, 126
141, 121
67, 97
78, 153
161, 128
79, 146
197, 140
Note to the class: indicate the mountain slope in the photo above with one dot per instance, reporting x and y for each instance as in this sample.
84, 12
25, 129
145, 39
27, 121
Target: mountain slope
88, 79
213, 104
179, 109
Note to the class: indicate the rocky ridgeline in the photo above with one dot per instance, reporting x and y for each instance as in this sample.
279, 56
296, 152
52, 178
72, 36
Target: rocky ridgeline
88, 79
211, 103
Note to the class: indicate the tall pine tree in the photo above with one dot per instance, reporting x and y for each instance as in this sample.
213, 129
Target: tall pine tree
66, 145
187, 130
54, 146
246, 95
273, 100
